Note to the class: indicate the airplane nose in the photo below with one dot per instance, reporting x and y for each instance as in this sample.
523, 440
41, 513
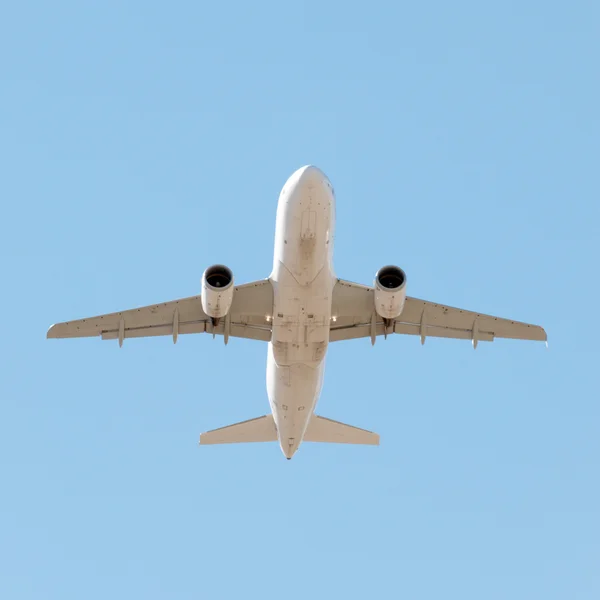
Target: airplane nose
310, 175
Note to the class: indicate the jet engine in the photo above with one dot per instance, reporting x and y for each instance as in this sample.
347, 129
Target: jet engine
390, 291
217, 291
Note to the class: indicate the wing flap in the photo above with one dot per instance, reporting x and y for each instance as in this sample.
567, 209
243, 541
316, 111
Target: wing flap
443, 332
362, 330
354, 332
238, 330
157, 330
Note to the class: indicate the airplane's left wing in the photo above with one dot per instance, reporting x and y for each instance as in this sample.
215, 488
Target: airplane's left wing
353, 316
248, 318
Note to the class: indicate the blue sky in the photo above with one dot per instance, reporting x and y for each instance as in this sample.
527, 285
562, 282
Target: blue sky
141, 143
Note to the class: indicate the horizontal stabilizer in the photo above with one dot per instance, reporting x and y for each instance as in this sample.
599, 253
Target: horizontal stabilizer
261, 429
325, 430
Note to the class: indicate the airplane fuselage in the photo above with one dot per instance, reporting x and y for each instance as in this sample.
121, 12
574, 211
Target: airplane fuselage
303, 279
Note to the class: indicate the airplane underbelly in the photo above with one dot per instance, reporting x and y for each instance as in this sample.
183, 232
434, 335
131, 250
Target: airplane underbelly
302, 276
303, 282
293, 392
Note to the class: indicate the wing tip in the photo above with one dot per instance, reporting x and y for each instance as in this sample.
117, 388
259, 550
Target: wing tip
59, 331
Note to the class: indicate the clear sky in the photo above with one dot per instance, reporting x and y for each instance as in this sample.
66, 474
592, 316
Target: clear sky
141, 142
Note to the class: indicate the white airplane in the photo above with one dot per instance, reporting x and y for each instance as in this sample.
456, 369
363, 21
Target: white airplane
298, 311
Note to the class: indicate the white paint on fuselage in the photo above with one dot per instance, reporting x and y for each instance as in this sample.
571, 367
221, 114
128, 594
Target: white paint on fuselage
303, 280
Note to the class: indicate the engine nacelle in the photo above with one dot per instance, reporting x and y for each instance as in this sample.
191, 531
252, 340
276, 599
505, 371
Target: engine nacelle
390, 291
217, 291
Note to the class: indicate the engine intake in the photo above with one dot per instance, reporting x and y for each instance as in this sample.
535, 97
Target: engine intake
217, 291
390, 291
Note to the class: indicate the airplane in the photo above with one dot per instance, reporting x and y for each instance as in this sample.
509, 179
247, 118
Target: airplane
298, 311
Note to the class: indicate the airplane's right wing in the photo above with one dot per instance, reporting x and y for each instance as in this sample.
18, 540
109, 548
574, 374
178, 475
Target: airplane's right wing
353, 316
248, 318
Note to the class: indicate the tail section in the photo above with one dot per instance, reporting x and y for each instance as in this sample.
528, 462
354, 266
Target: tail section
325, 430
261, 429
